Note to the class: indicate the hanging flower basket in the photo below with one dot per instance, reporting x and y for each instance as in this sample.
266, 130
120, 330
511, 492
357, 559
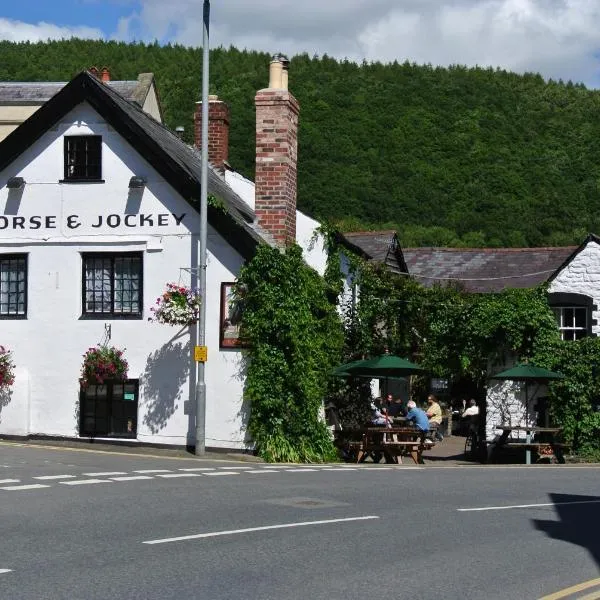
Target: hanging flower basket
7, 369
179, 305
101, 364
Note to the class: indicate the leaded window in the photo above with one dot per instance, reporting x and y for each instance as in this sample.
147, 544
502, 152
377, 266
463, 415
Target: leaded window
112, 285
83, 157
13, 286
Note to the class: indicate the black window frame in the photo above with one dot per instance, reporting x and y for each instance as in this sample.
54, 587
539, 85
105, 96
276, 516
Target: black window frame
96, 176
17, 257
111, 403
112, 314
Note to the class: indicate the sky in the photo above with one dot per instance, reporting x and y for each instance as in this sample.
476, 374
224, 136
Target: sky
558, 38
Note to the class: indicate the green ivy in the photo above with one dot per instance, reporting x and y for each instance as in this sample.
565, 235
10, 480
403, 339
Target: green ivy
294, 339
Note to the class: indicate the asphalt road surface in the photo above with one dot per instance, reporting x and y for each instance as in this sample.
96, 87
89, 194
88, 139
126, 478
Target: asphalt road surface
82, 525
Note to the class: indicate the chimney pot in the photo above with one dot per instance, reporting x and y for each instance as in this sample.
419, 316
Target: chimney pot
94, 71
105, 74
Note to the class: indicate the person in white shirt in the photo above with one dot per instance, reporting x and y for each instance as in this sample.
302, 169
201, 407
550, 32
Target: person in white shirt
472, 411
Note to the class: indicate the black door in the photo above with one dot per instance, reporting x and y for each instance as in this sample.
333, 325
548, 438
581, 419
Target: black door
110, 410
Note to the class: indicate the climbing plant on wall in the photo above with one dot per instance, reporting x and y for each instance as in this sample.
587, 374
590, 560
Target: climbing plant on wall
462, 335
294, 337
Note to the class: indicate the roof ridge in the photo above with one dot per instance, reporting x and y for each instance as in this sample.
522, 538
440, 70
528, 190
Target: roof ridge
490, 250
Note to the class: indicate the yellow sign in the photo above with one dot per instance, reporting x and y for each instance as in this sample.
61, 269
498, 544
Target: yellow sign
200, 353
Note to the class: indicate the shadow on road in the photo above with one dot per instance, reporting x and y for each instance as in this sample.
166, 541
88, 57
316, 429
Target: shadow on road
577, 522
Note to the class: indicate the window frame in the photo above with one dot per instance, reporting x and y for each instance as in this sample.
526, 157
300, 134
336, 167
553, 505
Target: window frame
78, 179
561, 301
112, 314
25, 257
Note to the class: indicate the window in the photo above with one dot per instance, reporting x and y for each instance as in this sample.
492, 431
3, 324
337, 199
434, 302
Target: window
110, 409
112, 285
572, 321
83, 158
573, 314
13, 286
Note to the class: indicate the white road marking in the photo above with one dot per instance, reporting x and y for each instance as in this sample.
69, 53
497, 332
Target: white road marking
342, 469
49, 477
482, 508
131, 478
298, 470
262, 471
85, 481
273, 466
221, 473
16, 488
173, 475
106, 474
153, 471
10, 480
236, 468
5, 571
191, 470
251, 529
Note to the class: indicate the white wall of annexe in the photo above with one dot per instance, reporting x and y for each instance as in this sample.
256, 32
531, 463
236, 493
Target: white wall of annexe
54, 223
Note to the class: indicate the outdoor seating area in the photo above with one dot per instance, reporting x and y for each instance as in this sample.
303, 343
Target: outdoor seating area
384, 443
400, 429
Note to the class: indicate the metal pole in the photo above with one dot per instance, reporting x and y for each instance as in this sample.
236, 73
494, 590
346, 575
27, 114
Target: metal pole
201, 324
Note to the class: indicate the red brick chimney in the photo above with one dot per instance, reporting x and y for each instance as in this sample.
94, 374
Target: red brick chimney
105, 75
277, 155
218, 131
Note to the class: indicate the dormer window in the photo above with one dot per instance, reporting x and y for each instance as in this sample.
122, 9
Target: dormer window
83, 158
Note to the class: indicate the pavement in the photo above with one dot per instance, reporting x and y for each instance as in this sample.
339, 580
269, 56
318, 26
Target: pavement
449, 452
87, 524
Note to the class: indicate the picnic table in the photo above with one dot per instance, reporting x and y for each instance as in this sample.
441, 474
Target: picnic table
546, 445
392, 443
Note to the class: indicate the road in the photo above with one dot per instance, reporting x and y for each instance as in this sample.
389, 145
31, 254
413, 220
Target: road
84, 525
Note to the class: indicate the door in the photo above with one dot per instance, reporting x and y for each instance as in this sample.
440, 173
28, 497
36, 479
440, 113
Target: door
110, 410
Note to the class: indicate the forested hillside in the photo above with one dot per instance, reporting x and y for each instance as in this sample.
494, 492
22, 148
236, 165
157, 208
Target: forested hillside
447, 156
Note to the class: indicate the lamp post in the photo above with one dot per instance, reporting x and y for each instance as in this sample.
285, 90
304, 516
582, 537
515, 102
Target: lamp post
201, 323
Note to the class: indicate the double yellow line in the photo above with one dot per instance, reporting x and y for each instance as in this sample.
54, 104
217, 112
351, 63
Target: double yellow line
580, 587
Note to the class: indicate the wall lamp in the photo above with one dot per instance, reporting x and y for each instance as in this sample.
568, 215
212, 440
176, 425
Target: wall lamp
15, 183
136, 182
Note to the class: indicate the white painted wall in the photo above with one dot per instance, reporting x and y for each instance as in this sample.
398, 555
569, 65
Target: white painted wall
582, 276
506, 406
48, 345
307, 236
151, 104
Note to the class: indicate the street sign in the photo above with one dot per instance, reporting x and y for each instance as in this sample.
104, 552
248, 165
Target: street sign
200, 353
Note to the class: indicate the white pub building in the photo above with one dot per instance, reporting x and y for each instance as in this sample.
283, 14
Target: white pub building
98, 212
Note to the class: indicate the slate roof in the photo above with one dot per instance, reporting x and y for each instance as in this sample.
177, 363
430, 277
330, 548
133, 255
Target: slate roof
377, 246
177, 162
39, 92
486, 269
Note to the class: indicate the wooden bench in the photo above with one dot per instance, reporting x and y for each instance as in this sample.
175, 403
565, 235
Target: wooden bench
393, 443
552, 451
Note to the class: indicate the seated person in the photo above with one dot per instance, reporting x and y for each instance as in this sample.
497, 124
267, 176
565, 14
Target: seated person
471, 415
434, 414
395, 407
417, 416
472, 411
379, 416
